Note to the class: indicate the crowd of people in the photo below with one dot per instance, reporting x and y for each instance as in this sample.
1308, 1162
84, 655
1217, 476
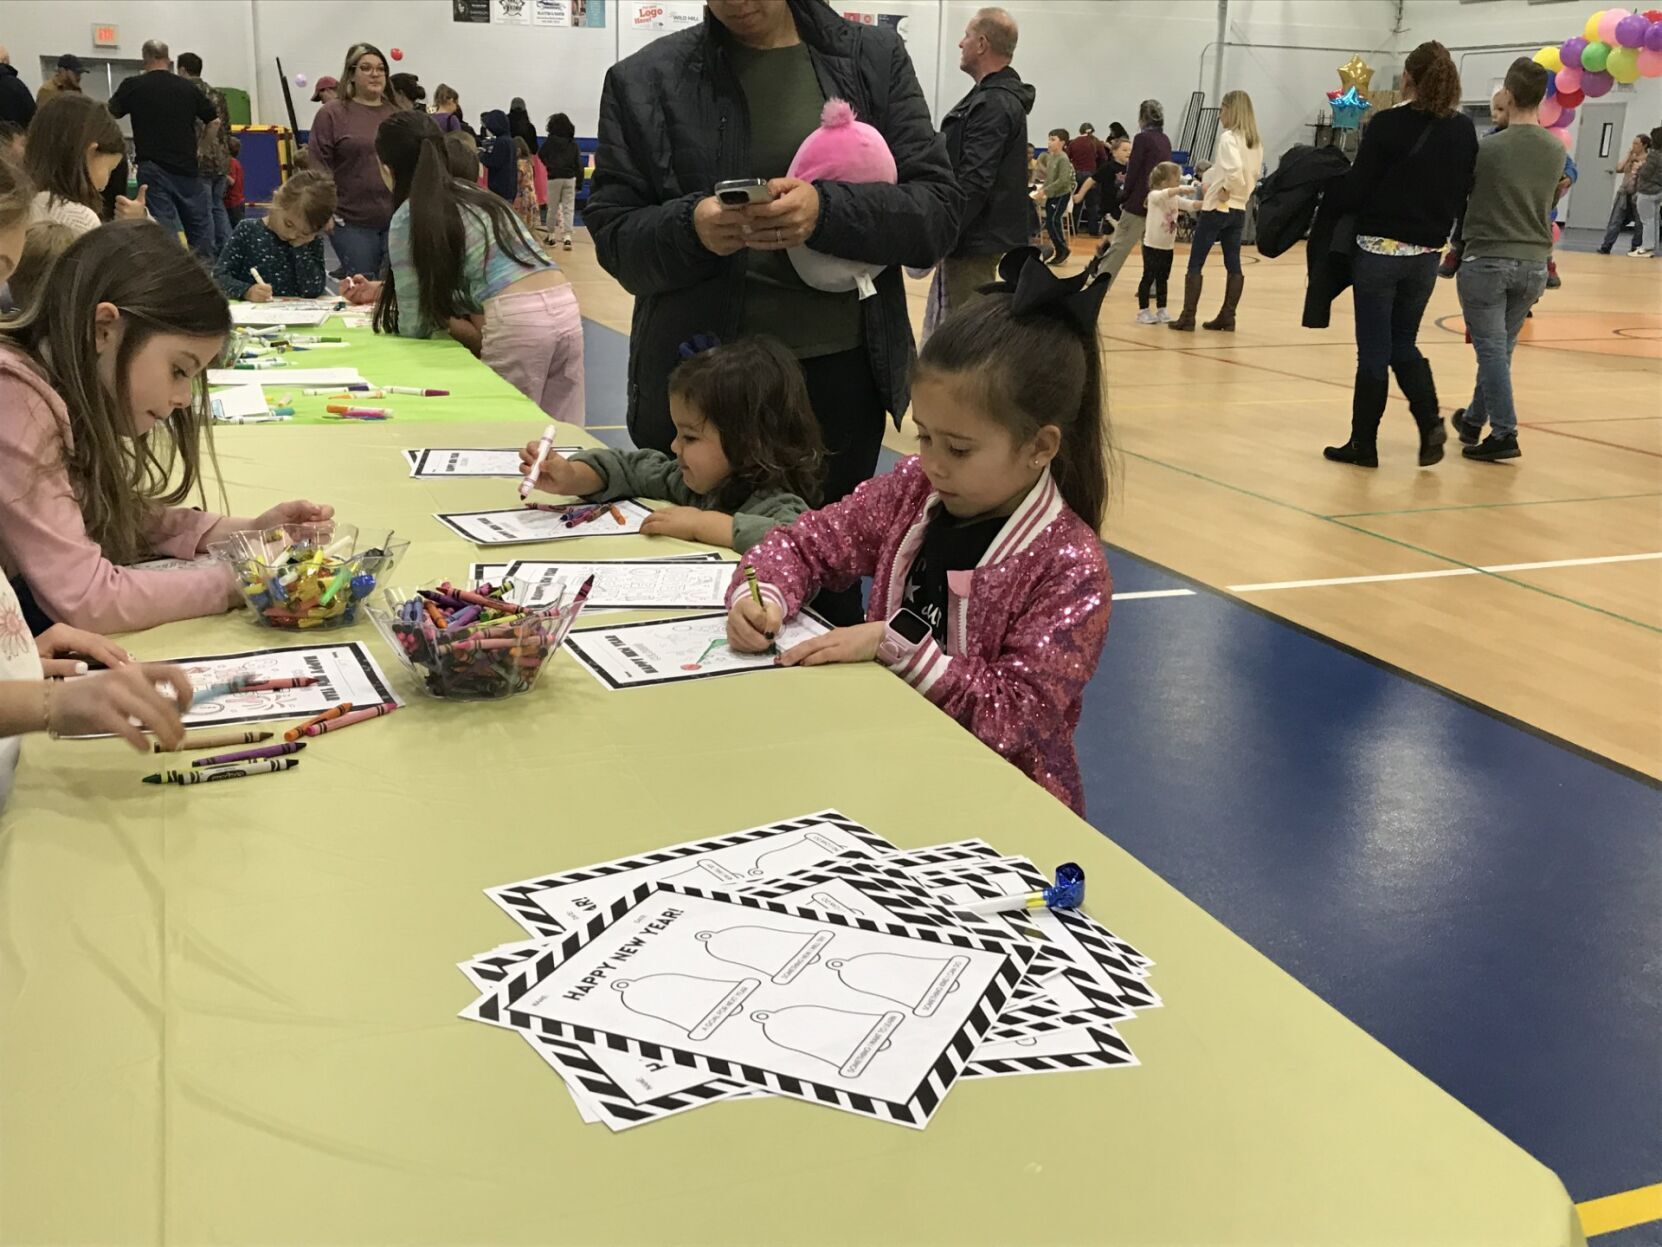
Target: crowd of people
771, 338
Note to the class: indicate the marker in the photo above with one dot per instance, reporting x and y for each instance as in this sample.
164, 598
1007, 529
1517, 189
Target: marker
250, 755
282, 411
258, 280
342, 409
334, 712
332, 390
227, 772
221, 741
347, 720
357, 395
358, 415
262, 686
307, 339
544, 445
1068, 892
268, 363
281, 416
418, 392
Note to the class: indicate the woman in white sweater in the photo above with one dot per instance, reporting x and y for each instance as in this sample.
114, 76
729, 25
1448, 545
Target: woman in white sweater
1228, 185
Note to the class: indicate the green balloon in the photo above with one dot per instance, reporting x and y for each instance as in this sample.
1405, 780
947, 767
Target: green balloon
1622, 64
1593, 57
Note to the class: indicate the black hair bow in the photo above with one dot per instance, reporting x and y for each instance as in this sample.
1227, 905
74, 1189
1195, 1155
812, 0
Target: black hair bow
1037, 290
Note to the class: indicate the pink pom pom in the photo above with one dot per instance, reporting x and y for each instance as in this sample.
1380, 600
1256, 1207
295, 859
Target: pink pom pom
836, 113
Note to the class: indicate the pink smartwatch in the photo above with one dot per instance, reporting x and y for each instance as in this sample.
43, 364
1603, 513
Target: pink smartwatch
905, 631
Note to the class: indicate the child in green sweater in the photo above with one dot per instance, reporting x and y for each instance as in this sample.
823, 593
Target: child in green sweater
748, 455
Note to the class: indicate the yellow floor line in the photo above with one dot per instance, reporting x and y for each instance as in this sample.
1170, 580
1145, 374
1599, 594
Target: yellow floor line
1621, 1212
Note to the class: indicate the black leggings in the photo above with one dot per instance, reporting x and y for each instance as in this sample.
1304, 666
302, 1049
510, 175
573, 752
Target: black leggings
1156, 271
849, 408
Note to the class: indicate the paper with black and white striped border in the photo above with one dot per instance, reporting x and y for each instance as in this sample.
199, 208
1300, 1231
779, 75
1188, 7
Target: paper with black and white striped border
557, 902
1075, 1048
555, 995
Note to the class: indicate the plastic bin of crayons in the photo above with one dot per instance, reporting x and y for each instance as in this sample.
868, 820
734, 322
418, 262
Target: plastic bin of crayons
303, 576
466, 645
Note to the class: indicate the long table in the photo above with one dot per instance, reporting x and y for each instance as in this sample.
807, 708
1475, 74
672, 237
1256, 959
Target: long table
227, 1014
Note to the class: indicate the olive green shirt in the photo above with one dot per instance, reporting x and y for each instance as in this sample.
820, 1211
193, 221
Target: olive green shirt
653, 474
784, 100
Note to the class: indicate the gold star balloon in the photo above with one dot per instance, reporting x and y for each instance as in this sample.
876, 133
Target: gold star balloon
1356, 73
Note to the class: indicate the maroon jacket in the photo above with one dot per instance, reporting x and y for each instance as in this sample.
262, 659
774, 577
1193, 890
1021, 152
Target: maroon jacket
1149, 148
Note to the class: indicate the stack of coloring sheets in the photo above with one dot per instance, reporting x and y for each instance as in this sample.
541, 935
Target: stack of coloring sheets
809, 959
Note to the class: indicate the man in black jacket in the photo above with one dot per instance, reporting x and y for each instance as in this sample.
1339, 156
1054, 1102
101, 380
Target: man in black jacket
17, 102
675, 120
986, 140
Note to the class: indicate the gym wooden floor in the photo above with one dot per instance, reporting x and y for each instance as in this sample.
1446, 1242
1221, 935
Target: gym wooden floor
1533, 587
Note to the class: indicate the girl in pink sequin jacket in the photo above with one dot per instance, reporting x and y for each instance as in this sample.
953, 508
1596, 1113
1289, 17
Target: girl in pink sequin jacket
1009, 413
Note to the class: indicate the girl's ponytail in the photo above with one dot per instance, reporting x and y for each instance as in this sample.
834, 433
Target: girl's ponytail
1081, 465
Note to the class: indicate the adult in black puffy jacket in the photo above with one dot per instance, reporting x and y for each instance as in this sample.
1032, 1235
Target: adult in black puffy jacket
734, 98
986, 140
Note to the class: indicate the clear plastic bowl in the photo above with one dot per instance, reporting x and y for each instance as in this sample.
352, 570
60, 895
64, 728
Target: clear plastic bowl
306, 576
478, 662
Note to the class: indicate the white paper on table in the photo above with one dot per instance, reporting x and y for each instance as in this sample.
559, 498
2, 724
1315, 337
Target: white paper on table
246, 399
430, 463
527, 525
634, 584
344, 672
278, 314
641, 655
286, 377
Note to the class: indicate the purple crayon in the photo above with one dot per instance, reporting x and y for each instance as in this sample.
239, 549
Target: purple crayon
249, 755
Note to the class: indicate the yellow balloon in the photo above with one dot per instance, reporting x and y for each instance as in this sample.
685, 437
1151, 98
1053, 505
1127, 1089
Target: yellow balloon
1355, 73
1590, 31
1551, 58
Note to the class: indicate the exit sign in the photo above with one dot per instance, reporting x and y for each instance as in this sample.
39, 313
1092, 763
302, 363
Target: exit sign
105, 36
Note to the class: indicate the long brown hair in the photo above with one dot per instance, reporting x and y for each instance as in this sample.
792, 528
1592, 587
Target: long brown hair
347, 89
1436, 80
753, 392
1032, 371
55, 153
17, 193
159, 287
410, 144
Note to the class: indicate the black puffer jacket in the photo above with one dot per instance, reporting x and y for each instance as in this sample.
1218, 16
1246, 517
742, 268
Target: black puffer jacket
673, 123
1287, 198
986, 140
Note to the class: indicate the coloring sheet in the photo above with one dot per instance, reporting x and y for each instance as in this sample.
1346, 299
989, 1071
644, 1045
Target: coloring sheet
555, 903
874, 1021
1075, 1048
432, 463
640, 655
344, 672
279, 313
239, 400
487, 573
635, 584
283, 377
521, 526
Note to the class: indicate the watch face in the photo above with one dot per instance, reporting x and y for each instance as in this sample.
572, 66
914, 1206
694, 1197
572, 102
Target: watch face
910, 625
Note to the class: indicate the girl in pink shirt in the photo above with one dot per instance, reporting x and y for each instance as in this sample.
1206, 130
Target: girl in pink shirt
990, 592
103, 422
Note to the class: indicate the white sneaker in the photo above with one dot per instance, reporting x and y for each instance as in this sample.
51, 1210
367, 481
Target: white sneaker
1146, 317
1162, 317
1641, 252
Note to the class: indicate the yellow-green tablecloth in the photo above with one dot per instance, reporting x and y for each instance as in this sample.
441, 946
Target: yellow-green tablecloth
227, 1014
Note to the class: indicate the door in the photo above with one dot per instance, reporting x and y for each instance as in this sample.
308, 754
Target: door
1598, 146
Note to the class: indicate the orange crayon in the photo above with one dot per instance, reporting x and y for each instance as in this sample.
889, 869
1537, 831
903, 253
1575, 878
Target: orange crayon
334, 712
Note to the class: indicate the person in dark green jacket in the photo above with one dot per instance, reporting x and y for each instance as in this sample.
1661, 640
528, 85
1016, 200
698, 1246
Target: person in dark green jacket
747, 458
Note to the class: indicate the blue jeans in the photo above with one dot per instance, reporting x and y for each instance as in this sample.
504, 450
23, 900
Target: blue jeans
362, 250
1495, 298
180, 203
216, 207
1390, 294
1223, 228
1054, 211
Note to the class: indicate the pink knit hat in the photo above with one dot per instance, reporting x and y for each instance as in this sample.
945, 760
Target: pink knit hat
841, 150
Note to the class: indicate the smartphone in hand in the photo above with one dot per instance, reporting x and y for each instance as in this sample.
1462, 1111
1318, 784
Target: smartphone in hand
737, 192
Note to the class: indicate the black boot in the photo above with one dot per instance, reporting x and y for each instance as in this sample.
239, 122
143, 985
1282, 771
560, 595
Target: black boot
1367, 405
1191, 303
1420, 388
1225, 319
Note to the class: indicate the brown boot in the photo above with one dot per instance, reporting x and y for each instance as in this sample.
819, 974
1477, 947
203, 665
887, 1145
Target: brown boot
1191, 303
1225, 319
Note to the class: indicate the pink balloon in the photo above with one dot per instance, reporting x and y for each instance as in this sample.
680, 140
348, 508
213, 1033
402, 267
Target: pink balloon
1557, 231
1563, 137
1550, 111
1607, 25
1650, 64
1569, 79
1595, 85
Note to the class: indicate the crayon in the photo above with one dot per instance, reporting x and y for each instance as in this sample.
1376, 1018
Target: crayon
250, 755
225, 772
334, 712
262, 686
347, 720
215, 741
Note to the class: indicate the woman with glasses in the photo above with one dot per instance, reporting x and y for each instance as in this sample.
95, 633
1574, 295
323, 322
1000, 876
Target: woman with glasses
343, 142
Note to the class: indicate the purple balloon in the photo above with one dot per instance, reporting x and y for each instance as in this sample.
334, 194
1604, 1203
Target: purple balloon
1565, 117
1571, 51
1653, 37
1595, 85
1630, 31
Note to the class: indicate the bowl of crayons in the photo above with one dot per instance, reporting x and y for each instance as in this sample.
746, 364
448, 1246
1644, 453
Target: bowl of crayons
308, 575
473, 644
